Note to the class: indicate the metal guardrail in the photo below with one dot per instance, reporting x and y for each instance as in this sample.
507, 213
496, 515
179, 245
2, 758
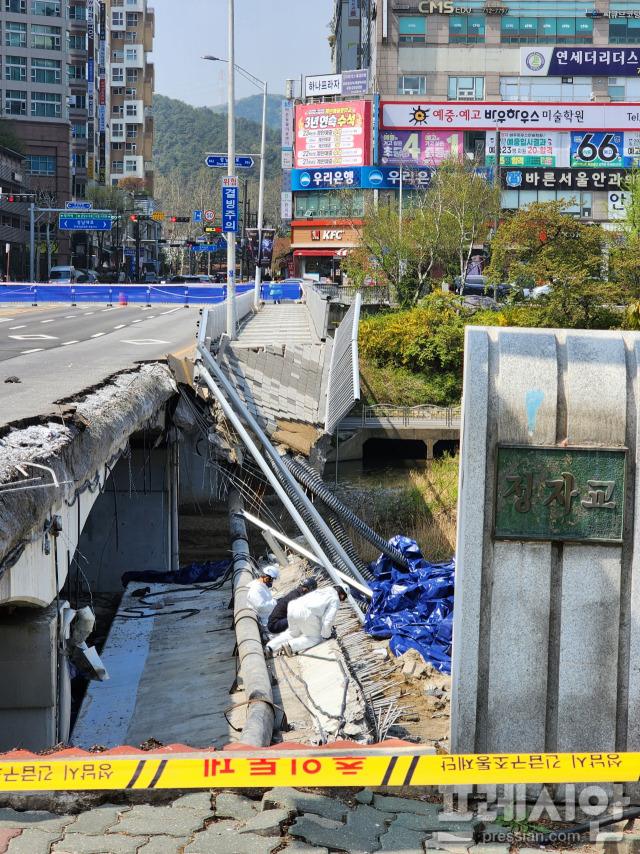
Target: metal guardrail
407, 414
214, 318
343, 386
369, 294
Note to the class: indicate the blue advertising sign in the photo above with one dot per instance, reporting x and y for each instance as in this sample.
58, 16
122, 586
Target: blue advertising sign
97, 224
229, 208
313, 179
78, 206
580, 61
355, 82
598, 149
204, 247
129, 252
197, 216
368, 177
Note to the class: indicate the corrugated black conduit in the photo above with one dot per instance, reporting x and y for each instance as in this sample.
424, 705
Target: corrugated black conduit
313, 482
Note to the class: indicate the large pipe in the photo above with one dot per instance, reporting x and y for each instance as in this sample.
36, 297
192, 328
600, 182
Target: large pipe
266, 469
296, 547
258, 727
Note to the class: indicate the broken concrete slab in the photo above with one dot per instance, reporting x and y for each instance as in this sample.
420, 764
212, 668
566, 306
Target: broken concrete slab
400, 838
304, 802
267, 823
161, 820
80, 843
433, 824
365, 796
222, 838
96, 821
32, 841
38, 819
165, 845
298, 847
194, 800
229, 805
360, 835
402, 805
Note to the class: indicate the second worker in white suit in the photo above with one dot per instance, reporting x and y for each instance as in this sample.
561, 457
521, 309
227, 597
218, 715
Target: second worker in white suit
310, 619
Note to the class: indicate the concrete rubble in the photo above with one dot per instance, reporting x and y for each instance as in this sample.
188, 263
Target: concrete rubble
282, 820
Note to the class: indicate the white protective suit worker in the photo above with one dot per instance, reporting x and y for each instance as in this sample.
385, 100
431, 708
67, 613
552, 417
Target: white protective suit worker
310, 620
259, 595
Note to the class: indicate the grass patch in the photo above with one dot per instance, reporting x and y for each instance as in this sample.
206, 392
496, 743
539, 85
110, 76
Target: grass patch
400, 386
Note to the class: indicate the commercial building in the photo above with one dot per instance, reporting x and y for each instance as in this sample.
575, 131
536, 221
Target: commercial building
555, 82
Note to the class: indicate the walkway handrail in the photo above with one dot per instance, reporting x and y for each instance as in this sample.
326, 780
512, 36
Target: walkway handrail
406, 414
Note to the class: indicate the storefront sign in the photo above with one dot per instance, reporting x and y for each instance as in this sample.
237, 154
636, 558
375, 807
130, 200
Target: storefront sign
286, 206
442, 8
419, 148
355, 82
574, 494
323, 237
480, 115
367, 177
332, 134
322, 84
354, 10
597, 149
529, 148
543, 61
562, 179
617, 204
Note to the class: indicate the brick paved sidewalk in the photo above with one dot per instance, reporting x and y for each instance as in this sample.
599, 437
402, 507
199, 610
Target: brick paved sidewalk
285, 820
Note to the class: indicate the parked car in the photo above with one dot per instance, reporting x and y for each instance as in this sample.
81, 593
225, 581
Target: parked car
150, 278
87, 277
63, 275
477, 286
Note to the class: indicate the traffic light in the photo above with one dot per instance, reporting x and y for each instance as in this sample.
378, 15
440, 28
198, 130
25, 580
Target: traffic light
133, 218
180, 219
18, 197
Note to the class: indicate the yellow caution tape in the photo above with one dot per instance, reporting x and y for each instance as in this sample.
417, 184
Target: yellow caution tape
253, 770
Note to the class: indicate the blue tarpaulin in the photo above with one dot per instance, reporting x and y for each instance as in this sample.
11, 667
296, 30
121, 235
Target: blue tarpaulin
414, 607
195, 572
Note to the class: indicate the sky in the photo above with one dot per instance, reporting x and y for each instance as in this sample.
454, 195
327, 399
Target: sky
274, 40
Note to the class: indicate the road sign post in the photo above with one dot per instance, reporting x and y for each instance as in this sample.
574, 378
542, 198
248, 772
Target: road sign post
82, 222
221, 161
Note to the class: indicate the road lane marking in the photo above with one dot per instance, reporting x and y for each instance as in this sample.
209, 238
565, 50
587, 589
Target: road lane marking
7, 319
37, 350
143, 341
18, 327
189, 349
68, 342
171, 310
34, 337
87, 312
121, 326
108, 309
67, 316
137, 321
52, 320
97, 335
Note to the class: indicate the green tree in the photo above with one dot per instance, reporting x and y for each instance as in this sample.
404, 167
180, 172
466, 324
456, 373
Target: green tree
541, 244
625, 247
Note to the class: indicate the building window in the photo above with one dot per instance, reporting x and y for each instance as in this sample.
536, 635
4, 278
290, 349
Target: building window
16, 68
117, 75
45, 70
466, 30
15, 34
19, 6
132, 75
37, 165
79, 131
117, 20
132, 110
50, 8
130, 165
45, 38
132, 131
45, 104
80, 161
117, 56
132, 19
116, 90
411, 30
131, 54
77, 42
325, 203
131, 147
77, 72
80, 190
624, 31
131, 37
117, 166
117, 34
131, 93
16, 102
116, 146
77, 13
412, 84
117, 109
466, 89
79, 102
545, 89
117, 129
548, 30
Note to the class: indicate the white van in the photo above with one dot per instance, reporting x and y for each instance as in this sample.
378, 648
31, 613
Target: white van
63, 276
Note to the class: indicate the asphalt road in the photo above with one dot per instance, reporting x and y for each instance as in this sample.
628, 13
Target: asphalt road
57, 351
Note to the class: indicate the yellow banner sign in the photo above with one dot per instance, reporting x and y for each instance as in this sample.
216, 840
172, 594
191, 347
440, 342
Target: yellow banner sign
157, 215
209, 770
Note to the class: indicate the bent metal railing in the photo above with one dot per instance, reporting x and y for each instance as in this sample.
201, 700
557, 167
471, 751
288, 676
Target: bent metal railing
447, 415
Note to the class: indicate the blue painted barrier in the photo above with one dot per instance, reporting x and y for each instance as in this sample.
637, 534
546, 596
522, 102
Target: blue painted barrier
180, 294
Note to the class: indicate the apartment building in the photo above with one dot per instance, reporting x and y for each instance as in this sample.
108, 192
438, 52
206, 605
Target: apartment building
130, 118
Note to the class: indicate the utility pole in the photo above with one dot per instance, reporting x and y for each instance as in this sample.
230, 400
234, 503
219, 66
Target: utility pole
231, 154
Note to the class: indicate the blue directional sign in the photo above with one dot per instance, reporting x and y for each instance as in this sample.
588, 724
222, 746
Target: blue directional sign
204, 247
229, 208
85, 224
221, 161
197, 216
129, 252
78, 206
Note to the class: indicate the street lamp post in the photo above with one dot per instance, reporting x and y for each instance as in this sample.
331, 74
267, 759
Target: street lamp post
263, 142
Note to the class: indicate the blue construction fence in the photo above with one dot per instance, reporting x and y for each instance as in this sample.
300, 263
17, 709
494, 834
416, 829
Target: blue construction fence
145, 294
